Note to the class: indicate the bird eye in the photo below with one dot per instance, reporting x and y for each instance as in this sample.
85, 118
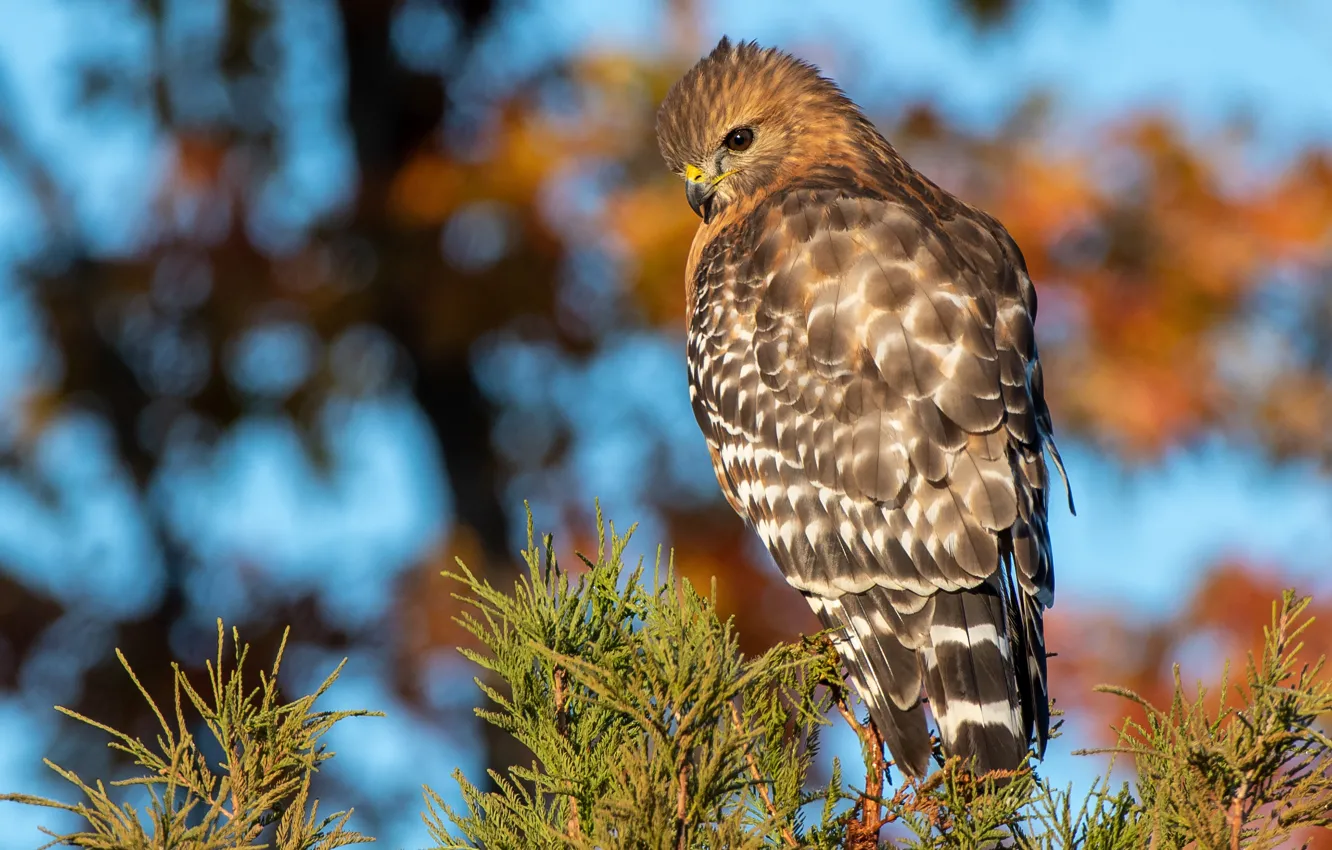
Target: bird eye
739, 139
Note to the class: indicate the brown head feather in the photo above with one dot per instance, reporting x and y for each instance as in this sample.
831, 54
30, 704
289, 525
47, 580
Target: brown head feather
802, 122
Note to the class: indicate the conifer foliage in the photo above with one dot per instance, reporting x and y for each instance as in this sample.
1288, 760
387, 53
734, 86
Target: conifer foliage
249, 787
647, 727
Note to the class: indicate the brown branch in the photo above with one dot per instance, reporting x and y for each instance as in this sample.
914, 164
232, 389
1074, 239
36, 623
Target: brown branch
572, 828
1236, 815
871, 816
185, 782
863, 833
761, 783
850, 717
682, 808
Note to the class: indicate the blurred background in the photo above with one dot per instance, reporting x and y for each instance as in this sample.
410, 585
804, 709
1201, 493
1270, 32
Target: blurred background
301, 299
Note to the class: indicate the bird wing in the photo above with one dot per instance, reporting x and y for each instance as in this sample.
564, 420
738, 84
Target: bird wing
867, 376
852, 360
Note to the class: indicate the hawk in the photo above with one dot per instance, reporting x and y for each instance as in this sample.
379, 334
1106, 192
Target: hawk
862, 363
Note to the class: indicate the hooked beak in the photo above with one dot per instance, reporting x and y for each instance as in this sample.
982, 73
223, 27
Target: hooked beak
699, 191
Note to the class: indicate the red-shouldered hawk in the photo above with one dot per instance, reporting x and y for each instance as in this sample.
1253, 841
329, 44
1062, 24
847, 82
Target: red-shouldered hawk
863, 365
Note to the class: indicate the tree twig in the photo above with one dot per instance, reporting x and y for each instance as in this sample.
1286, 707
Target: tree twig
682, 808
762, 784
1235, 817
572, 828
850, 717
863, 833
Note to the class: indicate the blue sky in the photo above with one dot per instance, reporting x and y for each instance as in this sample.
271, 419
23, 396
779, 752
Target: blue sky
1139, 541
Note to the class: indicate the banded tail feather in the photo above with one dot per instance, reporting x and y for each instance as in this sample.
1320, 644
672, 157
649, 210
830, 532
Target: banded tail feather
883, 671
979, 656
972, 681
1029, 630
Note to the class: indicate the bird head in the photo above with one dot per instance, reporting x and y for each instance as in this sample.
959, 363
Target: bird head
743, 118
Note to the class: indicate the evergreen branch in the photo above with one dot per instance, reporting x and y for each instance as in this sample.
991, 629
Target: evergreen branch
650, 729
762, 784
272, 749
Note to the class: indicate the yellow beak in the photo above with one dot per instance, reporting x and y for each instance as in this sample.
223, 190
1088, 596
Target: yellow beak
698, 191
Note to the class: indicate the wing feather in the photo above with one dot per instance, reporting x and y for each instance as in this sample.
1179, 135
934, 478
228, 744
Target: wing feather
867, 377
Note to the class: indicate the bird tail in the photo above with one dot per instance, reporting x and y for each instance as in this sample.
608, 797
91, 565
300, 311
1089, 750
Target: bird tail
980, 655
1027, 623
972, 681
883, 670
